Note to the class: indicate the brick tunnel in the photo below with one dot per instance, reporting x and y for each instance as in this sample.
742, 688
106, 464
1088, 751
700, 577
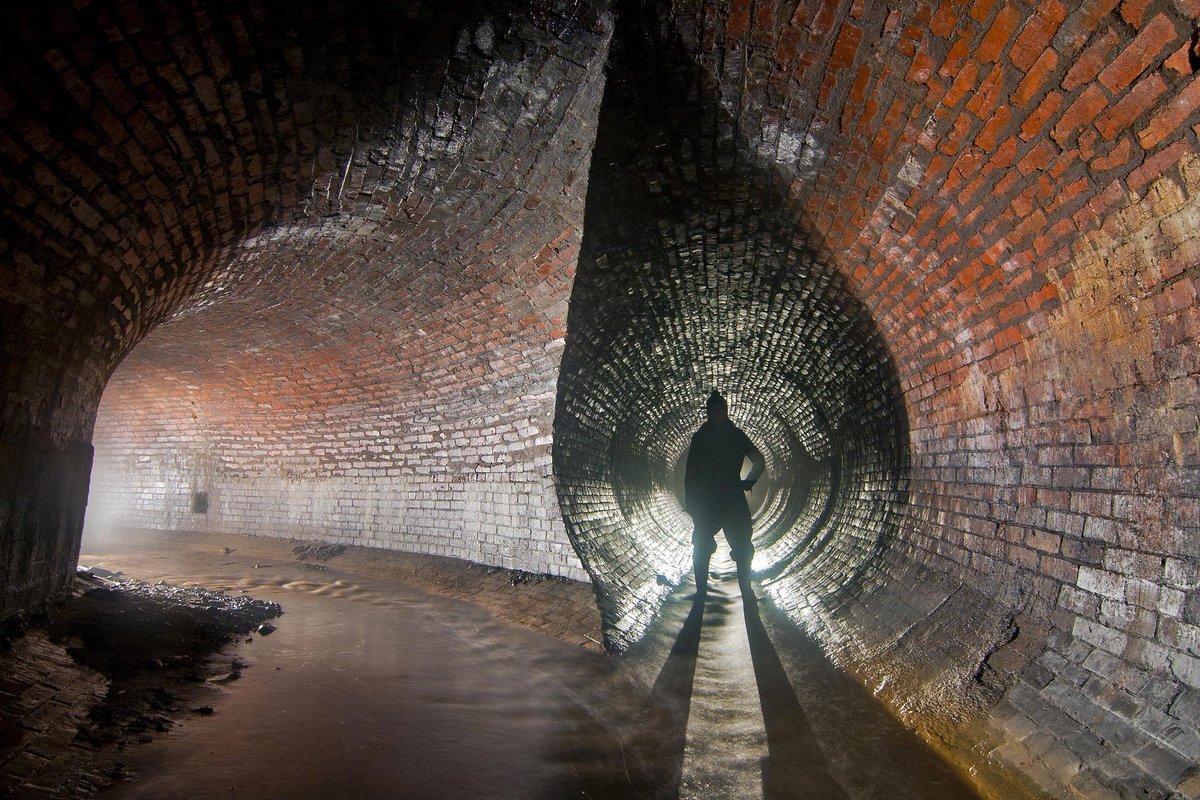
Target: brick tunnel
457, 281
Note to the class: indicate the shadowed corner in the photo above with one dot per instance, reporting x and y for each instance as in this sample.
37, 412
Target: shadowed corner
794, 767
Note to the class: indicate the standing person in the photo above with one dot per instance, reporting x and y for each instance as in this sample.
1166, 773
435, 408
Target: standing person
714, 491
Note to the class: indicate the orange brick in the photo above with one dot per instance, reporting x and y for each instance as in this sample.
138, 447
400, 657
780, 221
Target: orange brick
1170, 120
1156, 165
1081, 112
1146, 48
1037, 33
1036, 121
1117, 157
846, 46
964, 82
1033, 83
1136, 102
1091, 61
995, 126
1133, 11
997, 37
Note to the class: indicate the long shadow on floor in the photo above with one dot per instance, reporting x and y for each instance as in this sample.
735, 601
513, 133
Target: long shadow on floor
795, 766
827, 738
671, 701
867, 748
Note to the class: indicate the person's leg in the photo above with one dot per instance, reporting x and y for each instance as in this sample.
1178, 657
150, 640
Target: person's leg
704, 545
741, 547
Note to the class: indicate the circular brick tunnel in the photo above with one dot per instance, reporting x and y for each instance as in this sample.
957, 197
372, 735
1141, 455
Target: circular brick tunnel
691, 278
307, 270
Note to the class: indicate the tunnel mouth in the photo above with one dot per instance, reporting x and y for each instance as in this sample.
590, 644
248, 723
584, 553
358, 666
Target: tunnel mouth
807, 378
697, 272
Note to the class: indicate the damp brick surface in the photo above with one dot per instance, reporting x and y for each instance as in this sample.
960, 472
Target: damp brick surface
314, 263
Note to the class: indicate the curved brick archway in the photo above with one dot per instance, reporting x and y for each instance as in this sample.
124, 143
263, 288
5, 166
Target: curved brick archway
346, 242
382, 372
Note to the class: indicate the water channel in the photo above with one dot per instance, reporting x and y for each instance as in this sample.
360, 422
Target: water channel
371, 688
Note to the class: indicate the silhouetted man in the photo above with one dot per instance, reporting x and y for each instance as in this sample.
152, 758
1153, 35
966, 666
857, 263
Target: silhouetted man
714, 491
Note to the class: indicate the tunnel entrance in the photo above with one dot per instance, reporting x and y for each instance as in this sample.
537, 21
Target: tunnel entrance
697, 273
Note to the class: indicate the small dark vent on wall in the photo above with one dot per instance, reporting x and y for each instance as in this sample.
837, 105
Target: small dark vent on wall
200, 503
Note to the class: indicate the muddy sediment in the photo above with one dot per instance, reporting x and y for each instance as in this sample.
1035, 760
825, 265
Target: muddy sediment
119, 661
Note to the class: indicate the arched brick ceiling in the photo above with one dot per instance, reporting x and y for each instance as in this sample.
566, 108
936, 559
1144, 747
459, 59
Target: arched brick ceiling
331, 216
231, 151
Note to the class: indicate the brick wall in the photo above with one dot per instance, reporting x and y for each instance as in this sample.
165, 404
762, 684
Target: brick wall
408, 475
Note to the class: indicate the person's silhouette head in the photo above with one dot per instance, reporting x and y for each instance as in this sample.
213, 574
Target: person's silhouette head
716, 406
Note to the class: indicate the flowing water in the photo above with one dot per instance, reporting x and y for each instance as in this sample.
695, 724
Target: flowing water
373, 689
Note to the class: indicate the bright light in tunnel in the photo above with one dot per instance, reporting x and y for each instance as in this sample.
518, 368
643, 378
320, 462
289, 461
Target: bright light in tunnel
694, 275
810, 395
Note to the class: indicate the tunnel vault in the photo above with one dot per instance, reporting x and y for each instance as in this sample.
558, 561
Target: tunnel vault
314, 262
695, 274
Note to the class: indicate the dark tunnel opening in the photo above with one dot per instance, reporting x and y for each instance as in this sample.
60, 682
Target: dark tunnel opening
696, 273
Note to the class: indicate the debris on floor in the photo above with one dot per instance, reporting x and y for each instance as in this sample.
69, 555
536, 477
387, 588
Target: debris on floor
119, 662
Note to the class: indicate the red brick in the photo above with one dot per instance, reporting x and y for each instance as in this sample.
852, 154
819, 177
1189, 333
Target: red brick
1072, 191
1087, 143
1037, 158
1037, 33
1081, 23
944, 21
994, 128
1156, 165
956, 58
1179, 62
1118, 156
1136, 102
921, 68
1036, 122
1085, 108
846, 46
964, 82
823, 21
1146, 48
997, 37
1091, 61
1006, 338
953, 140
1034, 82
1170, 120
980, 10
984, 99
738, 23
1026, 201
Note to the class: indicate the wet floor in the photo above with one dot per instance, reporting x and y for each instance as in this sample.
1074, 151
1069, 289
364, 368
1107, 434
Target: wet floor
373, 689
